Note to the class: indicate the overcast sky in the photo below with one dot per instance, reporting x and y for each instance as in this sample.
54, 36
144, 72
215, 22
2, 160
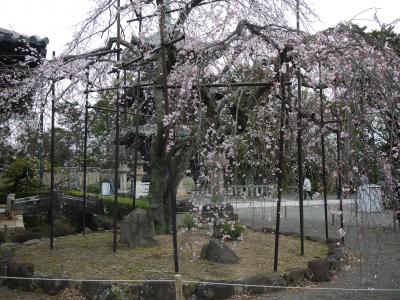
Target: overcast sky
55, 19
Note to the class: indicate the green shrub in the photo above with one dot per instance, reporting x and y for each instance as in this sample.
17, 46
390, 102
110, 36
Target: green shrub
188, 184
3, 198
94, 189
188, 221
233, 230
21, 237
63, 228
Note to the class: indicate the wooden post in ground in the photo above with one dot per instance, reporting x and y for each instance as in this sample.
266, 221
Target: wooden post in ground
178, 287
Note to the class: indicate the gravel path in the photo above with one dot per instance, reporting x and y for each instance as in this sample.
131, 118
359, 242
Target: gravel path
368, 236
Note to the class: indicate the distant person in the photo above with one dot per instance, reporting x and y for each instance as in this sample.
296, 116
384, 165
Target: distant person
349, 191
364, 179
307, 188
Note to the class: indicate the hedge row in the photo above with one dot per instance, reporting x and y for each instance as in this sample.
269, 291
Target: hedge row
124, 202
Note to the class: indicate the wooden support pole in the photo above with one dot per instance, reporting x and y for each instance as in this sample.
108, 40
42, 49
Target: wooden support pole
300, 143
324, 185
41, 144
53, 112
117, 134
135, 159
339, 174
280, 163
85, 137
178, 287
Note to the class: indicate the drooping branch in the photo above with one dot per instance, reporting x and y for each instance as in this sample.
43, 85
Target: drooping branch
177, 31
102, 50
152, 54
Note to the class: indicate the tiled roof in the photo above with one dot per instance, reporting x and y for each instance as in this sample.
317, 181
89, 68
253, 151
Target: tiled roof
15, 37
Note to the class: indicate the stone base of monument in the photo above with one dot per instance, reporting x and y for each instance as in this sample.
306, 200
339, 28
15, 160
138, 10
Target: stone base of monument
138, 229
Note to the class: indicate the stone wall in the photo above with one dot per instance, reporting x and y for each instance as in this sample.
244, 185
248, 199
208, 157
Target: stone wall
72, 177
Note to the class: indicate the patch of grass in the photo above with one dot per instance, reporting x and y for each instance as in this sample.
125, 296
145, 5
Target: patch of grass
91, 257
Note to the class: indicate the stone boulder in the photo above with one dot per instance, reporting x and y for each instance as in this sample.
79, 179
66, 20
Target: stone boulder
138, 229
31, 242
53, 287
6, 248
320, 270
253, 285
96, 290
151, 290
217, 251
295, 275
25, 270
214, 291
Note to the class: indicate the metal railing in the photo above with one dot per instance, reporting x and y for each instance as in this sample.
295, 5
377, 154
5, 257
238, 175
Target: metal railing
254, 191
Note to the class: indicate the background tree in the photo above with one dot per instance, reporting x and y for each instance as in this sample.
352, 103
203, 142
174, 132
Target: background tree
21, 174
211, 43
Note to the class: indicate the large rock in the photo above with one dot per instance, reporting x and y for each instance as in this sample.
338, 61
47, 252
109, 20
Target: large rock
214, 291
319, 270
295, 275
138, 229
217, 251
24, 270
53, 287
7, 248
152, 290
254, 284
96, 290
31, 242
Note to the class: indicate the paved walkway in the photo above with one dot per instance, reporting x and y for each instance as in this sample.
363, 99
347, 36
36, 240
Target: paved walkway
287, 202
369, 236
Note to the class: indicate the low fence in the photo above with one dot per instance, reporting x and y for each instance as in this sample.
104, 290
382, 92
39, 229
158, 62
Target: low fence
61, 203
236, 193
31, 205
75, 204
254, 191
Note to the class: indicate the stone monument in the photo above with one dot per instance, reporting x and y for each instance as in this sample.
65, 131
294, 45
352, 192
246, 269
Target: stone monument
138, 229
